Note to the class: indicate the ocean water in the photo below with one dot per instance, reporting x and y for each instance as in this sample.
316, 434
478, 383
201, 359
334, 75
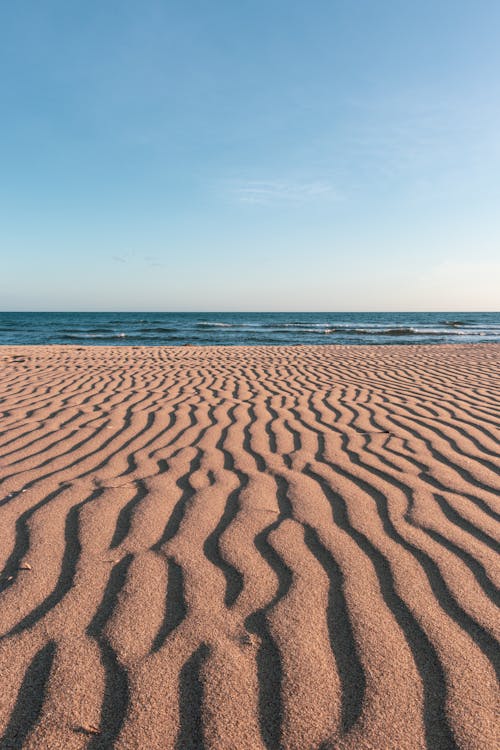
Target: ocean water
167, 329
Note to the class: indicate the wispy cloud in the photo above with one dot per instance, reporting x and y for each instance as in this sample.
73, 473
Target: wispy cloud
267, 192
420, 134
154, 262
139, 261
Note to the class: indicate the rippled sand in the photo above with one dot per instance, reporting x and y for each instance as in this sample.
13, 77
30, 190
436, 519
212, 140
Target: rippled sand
239, 548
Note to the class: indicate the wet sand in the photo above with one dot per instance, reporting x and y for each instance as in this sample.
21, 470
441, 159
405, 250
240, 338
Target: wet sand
249, 548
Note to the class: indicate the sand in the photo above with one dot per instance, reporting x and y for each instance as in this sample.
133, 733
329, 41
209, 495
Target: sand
239, 548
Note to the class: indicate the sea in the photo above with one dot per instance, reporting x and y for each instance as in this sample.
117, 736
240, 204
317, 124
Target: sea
283, 328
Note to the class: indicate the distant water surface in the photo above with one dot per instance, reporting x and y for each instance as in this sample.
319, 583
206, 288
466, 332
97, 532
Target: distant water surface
164, 329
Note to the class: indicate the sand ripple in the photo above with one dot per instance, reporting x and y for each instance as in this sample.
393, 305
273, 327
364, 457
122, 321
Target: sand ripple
288, 548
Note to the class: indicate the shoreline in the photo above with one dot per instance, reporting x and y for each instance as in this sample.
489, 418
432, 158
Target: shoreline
228, 347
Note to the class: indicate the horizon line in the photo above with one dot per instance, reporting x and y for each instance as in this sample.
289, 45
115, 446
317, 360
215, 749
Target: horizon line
250, 312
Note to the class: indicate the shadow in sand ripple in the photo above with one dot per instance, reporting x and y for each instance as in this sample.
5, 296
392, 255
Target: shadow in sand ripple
29, 700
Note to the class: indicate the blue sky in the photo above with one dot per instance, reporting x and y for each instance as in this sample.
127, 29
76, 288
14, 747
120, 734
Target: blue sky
250, 155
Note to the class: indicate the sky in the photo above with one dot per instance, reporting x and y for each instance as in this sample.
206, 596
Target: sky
253, 155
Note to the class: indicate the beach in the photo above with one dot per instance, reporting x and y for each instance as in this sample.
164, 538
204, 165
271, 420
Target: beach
255, 548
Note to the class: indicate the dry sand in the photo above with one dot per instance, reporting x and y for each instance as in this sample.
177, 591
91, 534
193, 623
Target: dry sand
239, 548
